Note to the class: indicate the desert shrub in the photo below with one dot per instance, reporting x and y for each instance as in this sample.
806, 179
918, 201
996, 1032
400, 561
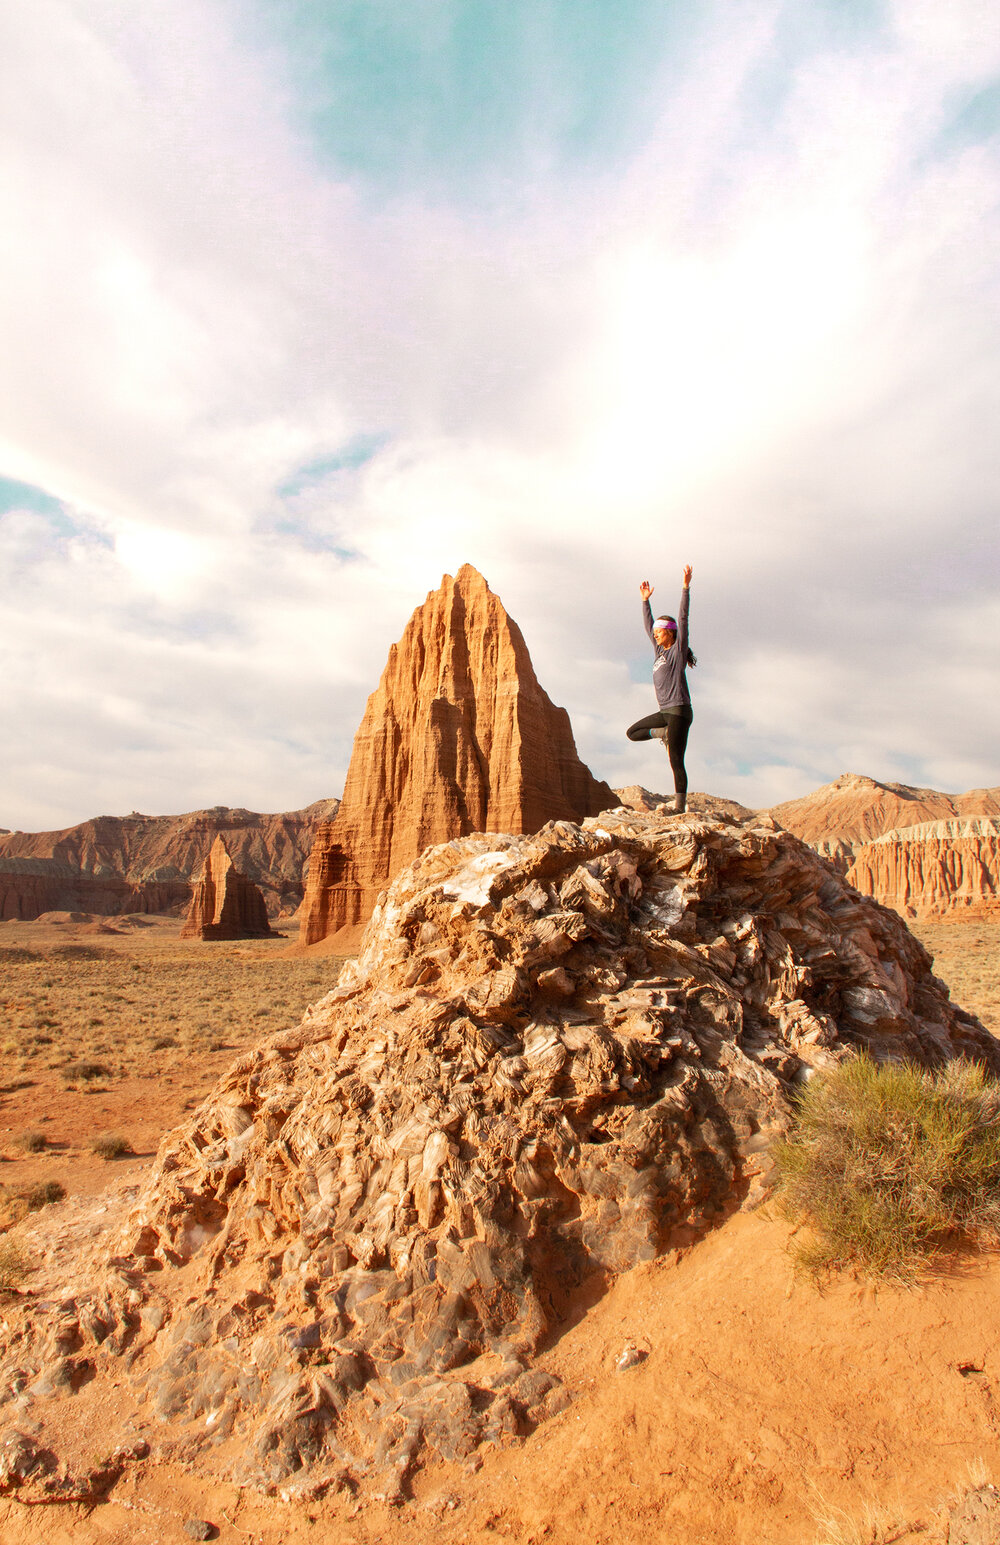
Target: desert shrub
13, 1265
891, 1165
44, 1194
85, 1070
17, 1201
111, 1145
31, 1142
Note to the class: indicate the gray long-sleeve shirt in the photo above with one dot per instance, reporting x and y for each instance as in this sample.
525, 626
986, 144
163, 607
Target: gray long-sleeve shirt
669, 678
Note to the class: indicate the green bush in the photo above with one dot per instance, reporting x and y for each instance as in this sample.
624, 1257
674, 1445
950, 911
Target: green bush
890, 1165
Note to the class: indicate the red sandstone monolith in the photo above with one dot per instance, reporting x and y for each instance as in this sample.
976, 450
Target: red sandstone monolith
459, 737
937, 870
224, 903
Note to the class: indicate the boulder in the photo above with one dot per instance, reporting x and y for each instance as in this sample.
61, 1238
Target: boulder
937, 870
458, 737
224, 903
557, 1055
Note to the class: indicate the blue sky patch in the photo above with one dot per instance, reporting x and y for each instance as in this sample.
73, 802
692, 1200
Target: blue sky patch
455, 96
974, 119
24, 496
352, 456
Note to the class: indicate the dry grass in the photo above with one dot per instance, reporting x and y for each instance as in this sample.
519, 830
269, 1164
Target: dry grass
891, 1165
92, 1014
17, 1201
13, 1266
967, 957
111, 1145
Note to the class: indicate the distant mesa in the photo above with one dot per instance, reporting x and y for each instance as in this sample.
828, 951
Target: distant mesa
841, 817
225, 904
925, 854
145, 864
937, 870
459, 737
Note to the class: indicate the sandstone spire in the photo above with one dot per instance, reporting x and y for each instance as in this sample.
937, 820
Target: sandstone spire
459, 737
224, 903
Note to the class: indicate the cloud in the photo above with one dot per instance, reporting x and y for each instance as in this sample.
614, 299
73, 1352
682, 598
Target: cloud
269, 389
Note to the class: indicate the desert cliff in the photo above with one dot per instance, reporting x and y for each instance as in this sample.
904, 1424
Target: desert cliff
224, 903
841, 817
144, 863
938, 869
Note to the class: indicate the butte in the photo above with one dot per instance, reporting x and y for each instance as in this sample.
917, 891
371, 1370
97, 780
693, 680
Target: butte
225, 904
458, 737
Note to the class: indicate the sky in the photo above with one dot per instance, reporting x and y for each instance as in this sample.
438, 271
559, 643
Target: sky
306, 303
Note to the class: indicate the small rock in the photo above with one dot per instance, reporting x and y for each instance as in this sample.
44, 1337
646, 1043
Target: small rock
975, 1520
200, 1529
20, 1456
630, 1356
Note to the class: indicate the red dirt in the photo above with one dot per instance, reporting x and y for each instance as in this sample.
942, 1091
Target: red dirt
762, 1406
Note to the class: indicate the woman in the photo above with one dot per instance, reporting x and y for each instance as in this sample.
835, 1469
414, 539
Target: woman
671, 724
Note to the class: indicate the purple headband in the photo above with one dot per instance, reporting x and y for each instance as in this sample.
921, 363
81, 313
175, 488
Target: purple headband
665, 622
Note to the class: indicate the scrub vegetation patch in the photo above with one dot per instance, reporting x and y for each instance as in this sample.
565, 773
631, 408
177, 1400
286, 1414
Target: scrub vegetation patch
891, 1166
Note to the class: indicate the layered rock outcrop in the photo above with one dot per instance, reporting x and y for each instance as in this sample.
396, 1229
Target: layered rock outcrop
458, 737
557, 1055
145, 863
635, 797
31, 886
224, 903
937, 870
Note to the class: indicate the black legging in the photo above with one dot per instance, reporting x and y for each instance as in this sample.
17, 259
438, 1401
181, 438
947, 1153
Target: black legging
677, 726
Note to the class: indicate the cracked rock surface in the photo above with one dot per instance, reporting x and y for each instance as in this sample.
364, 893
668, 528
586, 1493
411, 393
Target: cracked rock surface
557, 1056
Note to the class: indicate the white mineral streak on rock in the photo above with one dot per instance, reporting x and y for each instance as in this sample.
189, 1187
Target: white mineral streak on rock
474, 881
556, 1054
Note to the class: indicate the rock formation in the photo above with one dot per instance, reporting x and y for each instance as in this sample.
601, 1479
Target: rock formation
224, 903
939, 869
556, 1056
839, 818
145, 863
458, 737
31, 886
635, 797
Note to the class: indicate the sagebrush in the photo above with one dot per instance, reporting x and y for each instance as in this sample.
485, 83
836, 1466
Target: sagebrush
891, 1165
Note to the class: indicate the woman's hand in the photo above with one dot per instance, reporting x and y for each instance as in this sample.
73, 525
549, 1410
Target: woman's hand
645, 590
687, 575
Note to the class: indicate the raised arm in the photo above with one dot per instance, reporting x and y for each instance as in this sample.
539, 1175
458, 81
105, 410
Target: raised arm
682, 614
646, 590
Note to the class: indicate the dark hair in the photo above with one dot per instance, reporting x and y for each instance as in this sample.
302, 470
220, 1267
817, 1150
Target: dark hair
691, 659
